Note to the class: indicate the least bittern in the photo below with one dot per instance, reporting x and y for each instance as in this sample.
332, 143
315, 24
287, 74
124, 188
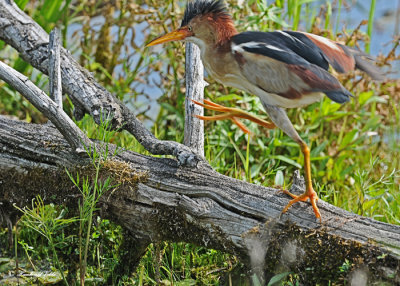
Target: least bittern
285, 69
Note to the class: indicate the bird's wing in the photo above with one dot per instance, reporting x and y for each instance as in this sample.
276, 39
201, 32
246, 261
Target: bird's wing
289, 69
342, 58
338, 56
317, 50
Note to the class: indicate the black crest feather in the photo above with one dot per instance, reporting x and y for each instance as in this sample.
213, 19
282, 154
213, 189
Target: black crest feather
202, 7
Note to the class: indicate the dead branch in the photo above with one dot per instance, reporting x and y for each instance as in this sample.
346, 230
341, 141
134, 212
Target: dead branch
54, 67
49, 108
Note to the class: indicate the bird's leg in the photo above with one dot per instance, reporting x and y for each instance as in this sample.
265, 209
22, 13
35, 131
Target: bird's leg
279, 117
232, 114
309, 193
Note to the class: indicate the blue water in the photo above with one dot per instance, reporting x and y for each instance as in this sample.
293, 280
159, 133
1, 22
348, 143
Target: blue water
385, 27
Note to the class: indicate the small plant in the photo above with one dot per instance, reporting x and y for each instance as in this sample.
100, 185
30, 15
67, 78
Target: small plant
345, 267
91, 191
50, 220
47, 220
369, 189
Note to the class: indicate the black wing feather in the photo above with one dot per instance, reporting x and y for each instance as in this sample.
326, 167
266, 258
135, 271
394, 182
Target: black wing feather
296, 44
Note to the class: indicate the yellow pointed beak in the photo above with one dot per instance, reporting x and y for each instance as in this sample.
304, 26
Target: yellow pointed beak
179, 34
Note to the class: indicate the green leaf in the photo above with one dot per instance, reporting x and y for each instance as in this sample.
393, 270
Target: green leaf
242, 158
278, 278
319, 148
230, 96
302, 2
255, 280
186, 282
364, 96
51, 10
287, 160
377, 99
372, 124
168, 107
21, 3
348, 138
368, 204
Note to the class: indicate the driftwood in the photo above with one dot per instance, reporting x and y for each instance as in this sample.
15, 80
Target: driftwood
168, 199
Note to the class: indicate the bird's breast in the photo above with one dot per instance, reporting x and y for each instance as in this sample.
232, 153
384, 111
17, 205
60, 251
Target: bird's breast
222, 67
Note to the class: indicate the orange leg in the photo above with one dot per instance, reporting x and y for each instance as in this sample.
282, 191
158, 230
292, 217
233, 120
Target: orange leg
235, 113
309, 193
232, 114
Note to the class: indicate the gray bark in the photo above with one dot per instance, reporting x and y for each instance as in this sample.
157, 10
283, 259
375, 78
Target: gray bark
194, 127
159, 200
54, 67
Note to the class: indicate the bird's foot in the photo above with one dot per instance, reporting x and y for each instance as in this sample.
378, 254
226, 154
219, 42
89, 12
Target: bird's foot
308, 194
232, 114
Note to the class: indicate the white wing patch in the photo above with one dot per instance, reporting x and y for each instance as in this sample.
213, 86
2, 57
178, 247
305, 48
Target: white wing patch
274, 48
239, 48
294, 39
247, 44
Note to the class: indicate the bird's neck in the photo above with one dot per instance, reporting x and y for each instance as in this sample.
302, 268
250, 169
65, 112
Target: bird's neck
225, 30
218, 60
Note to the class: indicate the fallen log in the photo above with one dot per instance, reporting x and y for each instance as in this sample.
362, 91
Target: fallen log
159, 200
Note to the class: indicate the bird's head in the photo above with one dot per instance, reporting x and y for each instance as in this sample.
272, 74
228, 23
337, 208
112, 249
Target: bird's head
205, 23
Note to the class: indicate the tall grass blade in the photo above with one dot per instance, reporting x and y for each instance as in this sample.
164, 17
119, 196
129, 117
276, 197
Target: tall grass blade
370, 24
338, 16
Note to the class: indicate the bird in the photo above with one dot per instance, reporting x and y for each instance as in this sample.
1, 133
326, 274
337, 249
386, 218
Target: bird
285, 69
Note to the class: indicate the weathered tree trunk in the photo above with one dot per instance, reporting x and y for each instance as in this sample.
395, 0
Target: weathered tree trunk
167, 199
160, 200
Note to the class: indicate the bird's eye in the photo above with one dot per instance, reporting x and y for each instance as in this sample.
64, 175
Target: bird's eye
189, 28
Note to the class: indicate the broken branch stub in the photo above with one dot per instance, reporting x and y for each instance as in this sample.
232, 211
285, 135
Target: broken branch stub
54, 67
194, 127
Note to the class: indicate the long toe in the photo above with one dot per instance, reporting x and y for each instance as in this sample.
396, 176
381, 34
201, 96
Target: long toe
233, 114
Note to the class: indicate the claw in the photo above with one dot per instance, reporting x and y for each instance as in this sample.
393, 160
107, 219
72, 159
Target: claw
308, 194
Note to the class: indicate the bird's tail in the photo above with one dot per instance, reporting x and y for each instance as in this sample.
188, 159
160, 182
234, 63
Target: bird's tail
365, 63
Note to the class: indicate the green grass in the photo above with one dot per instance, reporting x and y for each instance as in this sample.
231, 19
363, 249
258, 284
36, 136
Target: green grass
354, 147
